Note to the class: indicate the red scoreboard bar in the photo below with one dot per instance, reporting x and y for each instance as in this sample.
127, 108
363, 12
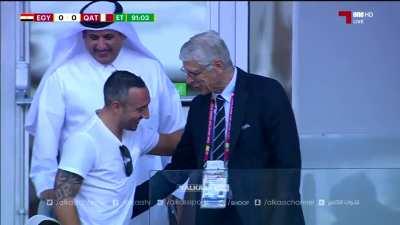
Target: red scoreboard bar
43, 17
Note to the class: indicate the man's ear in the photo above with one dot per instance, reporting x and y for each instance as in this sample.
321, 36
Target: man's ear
115, 105
219, 65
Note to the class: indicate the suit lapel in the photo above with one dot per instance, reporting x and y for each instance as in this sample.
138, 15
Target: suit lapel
201, 124
239, 108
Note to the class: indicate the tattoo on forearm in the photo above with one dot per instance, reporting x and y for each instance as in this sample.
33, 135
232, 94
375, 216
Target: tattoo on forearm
67, 185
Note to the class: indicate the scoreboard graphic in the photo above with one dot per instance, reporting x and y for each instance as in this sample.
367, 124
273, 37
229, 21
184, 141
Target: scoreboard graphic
87, 17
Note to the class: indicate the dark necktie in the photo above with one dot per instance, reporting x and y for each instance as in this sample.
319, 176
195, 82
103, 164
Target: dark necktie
219, 130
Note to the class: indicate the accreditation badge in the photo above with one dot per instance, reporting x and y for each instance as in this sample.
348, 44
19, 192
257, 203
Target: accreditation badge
215, 185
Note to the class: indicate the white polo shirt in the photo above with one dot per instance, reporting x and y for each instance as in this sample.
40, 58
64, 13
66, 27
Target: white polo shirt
106, 195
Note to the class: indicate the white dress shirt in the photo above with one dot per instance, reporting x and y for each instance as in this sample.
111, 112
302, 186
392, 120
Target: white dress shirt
227, 94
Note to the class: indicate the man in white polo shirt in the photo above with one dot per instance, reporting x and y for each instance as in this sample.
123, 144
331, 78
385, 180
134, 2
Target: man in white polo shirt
94, 183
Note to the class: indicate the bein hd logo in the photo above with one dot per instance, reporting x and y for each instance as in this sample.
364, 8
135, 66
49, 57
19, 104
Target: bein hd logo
355, 17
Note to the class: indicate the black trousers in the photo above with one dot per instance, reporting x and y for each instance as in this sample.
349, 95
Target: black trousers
226, 216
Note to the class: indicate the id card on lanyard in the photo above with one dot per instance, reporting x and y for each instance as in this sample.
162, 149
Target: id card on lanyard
215, 185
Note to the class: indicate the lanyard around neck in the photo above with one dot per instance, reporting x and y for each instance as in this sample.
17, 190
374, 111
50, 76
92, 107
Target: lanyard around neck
210, 126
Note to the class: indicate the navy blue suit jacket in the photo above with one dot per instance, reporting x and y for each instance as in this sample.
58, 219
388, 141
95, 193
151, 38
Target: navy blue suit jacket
264, 158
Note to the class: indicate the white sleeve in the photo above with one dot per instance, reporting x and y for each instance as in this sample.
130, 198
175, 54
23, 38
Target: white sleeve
147, 139
172, 117
50, 119
78, 154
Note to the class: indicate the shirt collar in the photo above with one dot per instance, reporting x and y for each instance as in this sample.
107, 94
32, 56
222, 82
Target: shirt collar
109, 132
228, 90
106, 130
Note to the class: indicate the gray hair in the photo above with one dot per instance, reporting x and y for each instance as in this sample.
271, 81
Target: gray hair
204, 48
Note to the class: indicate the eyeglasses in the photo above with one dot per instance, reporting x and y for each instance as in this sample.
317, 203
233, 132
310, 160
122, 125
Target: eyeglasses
127, 159
194, 74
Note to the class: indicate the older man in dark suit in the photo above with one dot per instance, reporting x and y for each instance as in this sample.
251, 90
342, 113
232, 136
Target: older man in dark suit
244, 121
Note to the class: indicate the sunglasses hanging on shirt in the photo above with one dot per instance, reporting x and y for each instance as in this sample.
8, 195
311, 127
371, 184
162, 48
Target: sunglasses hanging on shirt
127, 159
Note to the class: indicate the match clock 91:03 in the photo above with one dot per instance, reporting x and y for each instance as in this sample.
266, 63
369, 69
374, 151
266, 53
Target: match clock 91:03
88, 17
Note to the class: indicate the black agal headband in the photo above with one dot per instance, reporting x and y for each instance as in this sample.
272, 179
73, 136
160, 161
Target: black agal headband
118, 10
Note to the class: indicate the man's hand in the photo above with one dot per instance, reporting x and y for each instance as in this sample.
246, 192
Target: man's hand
167, 144
48, 194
